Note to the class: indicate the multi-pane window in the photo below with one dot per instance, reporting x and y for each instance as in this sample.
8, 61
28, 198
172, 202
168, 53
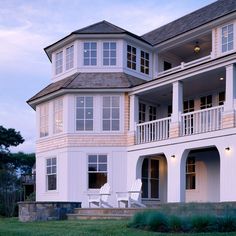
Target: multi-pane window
144, 62
221, 98
84, 113
97, 170
59, 63
188, 106
188, 120
206, 102
190, 173
131, 57
227, 38
90, 54
70, 57
142, 112
109, 53
152, 113
43, 120
51, 173
111, 113
58, 115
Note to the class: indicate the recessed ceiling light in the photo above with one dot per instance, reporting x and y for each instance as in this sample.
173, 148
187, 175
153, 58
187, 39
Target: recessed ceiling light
221, 78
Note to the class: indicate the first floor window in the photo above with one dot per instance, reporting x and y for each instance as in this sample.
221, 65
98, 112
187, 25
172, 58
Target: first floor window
58, 115
51, 173
227, 38
97, 170
206, 102
131, 57
111, 113
109, 53
90, 54
144, 62
190, 173
70, 57
84, 113
43, 120
59, 63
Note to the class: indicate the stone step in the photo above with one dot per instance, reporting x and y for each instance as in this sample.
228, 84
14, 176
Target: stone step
98, 216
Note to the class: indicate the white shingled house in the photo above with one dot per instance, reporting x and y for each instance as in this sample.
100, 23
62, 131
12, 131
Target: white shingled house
158, 107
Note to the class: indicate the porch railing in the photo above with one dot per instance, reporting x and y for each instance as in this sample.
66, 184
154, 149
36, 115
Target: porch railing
153, 130
202, 121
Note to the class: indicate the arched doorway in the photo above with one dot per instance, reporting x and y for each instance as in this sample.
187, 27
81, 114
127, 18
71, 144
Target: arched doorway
154, 178
201, 174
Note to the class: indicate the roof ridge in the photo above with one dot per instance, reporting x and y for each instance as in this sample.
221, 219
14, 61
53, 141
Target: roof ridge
86, 27
67, 83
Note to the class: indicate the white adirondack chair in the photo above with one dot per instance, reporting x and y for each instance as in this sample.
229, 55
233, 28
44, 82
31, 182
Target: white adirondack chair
132, 196
100, 199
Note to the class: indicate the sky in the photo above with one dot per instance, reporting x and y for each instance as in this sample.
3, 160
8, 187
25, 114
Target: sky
28, 26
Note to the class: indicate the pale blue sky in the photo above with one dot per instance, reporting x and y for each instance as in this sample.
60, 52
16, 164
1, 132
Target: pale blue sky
28, 26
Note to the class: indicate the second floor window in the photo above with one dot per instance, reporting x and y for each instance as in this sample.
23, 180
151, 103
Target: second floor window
43, 120
221, 98
152, 113
109, 53
70, 57
206, 102
84, 113
144, 62
188, 106
90, 54
131, 57
142, 112
111, 113
59, 63
58, 116
227, 38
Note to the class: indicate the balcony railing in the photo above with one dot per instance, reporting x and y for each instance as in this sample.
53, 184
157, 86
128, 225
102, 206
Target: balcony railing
153, 130
202, 121
184, 65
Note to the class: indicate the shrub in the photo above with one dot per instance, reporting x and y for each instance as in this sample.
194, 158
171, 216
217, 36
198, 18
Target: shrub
226, 224
139, 220
176, 224
204, 224
157, 222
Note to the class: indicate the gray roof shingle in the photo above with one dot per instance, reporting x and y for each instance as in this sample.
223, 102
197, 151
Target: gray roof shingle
117, 80
191, 21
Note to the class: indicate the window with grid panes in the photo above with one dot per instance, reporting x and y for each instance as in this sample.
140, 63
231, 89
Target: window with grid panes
43, 120
227, 38
206, 102
190, 173
59, 63
58, 115
142, 112
152, 113
109, 53
97, 170
84, 113
131, 57
111, 113
144, 62
51, 173
70, 57
90, 54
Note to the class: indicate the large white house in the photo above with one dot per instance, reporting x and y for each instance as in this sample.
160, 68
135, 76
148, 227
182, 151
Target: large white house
160, 107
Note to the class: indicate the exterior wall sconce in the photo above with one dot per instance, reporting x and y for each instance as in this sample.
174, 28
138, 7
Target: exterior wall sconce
197, 48
173, 156
227, 148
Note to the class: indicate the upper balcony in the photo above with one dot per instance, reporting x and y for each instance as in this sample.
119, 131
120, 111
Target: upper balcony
185, 54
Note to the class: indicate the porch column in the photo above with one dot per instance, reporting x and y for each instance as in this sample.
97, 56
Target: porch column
230, 97
177, 109
133, 120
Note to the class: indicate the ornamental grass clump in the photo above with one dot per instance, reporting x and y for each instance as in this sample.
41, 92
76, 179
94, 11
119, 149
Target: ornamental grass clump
157, 222
204, 224
177, 224
226, 224
139, 220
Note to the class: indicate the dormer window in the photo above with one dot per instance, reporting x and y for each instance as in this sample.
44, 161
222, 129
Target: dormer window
227, 42
109, 53
144, 62
131, 57
59, 62
90, 54
70, 57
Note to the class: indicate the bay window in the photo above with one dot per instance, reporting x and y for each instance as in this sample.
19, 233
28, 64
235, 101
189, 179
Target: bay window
59, 62
109, 53
43, 120
58, 115
90, 54
70, 57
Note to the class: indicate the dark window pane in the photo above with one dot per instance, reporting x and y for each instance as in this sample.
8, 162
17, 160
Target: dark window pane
115, 125
96, 180
88, 125
106, 125
102, 158
102, 167
92, 167
52, 182
144, 188
145, 168
154, 188
92, 158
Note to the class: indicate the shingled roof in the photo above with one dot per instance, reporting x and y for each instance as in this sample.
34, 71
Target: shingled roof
91, 81
191, 21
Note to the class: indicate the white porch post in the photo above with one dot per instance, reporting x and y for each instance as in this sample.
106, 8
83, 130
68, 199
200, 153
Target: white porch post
177, 109
134, 106
230, 97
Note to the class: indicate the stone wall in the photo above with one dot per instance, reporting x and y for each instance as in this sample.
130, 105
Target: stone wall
42, 211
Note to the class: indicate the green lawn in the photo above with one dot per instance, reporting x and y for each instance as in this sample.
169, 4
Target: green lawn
12, 227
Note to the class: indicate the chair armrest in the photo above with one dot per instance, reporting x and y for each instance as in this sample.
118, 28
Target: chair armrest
134, 191
121, 192
104, 194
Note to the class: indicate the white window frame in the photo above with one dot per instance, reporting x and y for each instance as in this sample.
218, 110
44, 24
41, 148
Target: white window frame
44, 120
227, 38
84, 108
97, 163
90, 50
58, 115
52, 173
146, 60
110, 57
193, 173
131, 61
59, 62
110, 119
69, 51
